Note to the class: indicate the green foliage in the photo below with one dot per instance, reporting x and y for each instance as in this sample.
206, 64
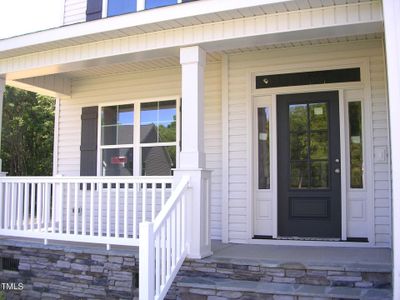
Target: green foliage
27, 134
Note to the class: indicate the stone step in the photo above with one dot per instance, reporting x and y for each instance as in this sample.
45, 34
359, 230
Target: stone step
203, 288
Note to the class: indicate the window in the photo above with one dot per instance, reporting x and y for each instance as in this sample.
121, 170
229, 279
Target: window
119, 7
159, 3
356, 146
150, 150
263, 148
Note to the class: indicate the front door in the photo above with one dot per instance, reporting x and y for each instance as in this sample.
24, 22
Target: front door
309, 190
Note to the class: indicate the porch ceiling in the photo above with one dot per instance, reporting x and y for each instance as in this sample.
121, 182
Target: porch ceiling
194, 13
173, 61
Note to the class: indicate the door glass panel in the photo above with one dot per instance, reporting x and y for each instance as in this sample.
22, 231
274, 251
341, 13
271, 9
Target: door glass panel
298, 146
356, 150
319, 174
318, 116
319, 145
299, 175
263, 148
309, 145
298, 119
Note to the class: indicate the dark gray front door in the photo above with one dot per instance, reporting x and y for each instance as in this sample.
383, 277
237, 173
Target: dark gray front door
309, 201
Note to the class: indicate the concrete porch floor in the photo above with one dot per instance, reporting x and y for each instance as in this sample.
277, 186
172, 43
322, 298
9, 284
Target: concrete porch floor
372, 259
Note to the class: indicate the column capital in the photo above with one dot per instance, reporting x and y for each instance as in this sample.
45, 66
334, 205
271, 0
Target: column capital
191, 55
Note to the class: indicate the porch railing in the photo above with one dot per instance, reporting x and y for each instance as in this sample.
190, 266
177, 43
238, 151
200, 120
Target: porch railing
104, 210
164, 245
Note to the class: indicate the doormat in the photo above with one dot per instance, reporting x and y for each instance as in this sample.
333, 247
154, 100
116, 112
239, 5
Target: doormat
299, 238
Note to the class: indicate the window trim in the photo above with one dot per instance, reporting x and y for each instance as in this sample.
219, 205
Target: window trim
137, 145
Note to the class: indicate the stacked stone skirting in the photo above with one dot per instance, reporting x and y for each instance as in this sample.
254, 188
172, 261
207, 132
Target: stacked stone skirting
219, 278
60, 272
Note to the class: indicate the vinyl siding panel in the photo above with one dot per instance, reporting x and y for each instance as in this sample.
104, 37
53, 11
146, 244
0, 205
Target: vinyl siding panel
130, 86
74, 11
240, 68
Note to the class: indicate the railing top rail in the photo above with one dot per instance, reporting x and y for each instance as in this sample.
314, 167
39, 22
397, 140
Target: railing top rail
169, 205
88, 179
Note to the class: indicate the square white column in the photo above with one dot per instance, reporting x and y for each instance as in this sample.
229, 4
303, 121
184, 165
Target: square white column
192, 60
192, 158
391, 13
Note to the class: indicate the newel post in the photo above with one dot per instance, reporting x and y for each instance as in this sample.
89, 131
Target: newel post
146, 261
192, 158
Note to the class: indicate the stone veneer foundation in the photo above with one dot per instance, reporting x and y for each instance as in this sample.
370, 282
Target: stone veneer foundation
65, 272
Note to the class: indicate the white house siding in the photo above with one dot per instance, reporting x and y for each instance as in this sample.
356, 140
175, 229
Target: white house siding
130, 86
74, 11
239, 172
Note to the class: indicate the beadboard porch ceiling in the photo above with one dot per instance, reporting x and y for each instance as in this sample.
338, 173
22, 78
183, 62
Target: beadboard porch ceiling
173, 61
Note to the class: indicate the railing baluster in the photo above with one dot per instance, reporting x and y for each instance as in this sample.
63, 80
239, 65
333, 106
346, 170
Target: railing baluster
158, 262
117, 212
100, 208
144, 192
168, 246
68, 216
61, 208
173, 237
53, 206
183, 203
92, 209
19, 206
26, 205
108, 209
76, 209
46, 207
153, 201
179, 224
7, 206
134, 211
84, 189
2, 200
39, 200
163, 254
13, 204
33, 204
162, 194
126, 210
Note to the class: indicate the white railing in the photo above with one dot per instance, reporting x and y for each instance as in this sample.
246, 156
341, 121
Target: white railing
104, 210
163, 245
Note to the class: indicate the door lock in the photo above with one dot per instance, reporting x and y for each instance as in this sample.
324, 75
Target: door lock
337, 170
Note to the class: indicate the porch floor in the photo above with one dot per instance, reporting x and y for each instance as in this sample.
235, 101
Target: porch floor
337, 258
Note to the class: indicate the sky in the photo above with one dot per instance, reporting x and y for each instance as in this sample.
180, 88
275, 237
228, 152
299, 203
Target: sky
25, 16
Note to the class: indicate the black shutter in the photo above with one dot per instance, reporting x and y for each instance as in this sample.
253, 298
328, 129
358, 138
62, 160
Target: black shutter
93, 11
89, 141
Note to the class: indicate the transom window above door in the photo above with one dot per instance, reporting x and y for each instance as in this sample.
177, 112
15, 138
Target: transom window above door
138, 138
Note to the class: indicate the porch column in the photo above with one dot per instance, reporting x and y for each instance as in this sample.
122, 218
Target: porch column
2, 90
391, 12
192, 160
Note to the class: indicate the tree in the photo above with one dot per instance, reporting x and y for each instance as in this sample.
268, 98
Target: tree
27, 134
